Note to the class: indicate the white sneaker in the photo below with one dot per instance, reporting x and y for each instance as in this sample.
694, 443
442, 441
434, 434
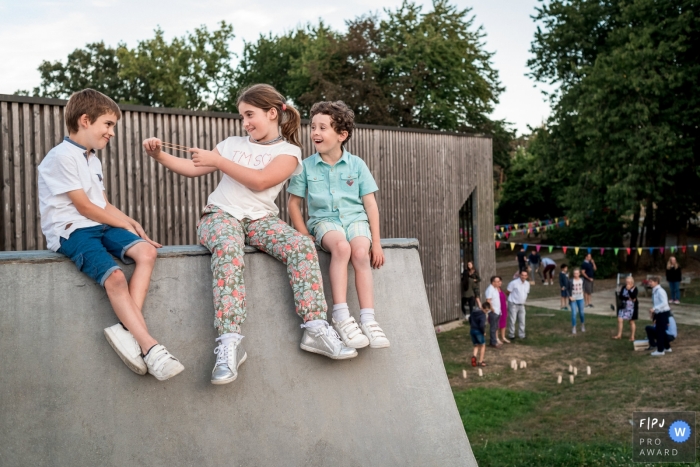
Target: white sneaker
583, 328
669, 350
377, 338
161, 364
126, 347
656, 353
573, 330
350, 333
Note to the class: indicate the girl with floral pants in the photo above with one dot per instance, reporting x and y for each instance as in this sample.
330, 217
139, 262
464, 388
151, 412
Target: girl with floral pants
225, 237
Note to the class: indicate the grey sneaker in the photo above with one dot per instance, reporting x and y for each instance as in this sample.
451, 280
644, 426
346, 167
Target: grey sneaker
126, 347
161, 364
228, 358
324, 340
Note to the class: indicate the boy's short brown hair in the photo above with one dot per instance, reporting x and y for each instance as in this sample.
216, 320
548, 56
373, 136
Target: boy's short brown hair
342, 117
88, 102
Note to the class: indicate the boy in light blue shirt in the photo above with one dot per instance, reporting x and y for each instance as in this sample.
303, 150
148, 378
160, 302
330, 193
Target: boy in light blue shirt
343, 219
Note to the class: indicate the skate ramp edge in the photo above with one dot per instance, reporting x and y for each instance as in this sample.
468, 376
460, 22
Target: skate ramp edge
67, 399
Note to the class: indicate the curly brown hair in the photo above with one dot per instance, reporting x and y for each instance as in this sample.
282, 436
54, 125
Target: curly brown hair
342, 116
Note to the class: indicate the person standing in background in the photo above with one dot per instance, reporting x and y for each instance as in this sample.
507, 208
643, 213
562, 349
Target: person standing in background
659, 313
588, 269
576, 299
628, 308
518, 289
674, 277
521, 258
565, 286
494, 299
470, 289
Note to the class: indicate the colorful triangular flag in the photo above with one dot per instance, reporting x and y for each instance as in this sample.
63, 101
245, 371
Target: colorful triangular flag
695, 248
576, 249
673, 249
616, 250
639, 250
512, 245
550, 248
629, 251
525, 246
589, 251
651, 250
683, 248
537, 247
602, 251
498, 245
564, 248
661, 249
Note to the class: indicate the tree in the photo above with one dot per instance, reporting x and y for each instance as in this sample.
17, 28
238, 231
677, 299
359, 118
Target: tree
193, 71
625, 118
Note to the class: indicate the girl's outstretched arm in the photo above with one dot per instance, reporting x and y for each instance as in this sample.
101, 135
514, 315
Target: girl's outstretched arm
280, 169
376, 254
294, 208
186, 167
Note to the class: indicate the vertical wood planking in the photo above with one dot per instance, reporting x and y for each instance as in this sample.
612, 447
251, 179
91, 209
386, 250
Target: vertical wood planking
6, 188
17, 242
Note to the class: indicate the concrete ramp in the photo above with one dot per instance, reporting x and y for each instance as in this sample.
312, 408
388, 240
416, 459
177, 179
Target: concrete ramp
66, 399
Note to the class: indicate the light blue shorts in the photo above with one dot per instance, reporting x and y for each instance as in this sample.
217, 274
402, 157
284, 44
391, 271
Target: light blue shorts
355, 229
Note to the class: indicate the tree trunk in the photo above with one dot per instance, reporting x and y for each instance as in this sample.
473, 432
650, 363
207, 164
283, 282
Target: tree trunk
634, 236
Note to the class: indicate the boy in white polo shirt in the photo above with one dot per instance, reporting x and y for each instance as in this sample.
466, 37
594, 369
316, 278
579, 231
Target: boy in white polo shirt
79, 222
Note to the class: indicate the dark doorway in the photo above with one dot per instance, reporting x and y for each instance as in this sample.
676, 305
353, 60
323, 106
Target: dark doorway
466, 231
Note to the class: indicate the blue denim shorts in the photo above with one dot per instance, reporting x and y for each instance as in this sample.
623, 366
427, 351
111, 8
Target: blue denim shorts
91, 250
477, 337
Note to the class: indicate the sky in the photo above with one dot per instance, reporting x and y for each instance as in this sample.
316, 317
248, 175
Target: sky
33, 30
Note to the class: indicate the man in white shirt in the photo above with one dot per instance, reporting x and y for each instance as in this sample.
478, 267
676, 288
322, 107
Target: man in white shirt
493, 296
660, 314
517, 291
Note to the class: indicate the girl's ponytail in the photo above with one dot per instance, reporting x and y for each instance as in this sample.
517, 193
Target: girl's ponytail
291, 124
266, 97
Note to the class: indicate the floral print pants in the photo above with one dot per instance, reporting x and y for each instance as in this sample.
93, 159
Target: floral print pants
225, 237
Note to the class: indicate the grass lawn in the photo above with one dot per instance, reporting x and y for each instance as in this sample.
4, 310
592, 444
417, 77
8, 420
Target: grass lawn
524, 418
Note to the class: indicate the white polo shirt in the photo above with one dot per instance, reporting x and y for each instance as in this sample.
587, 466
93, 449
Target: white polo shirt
65, 168
518, 291
495, 296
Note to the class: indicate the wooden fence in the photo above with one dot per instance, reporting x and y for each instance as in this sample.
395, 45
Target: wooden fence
424, 178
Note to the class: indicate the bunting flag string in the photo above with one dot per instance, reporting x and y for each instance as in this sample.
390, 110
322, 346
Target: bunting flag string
537, 224
505, 233
601, 249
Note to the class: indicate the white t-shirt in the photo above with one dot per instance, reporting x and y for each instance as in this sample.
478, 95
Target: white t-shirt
518, 291
577, 289
493, 294
237, 199
67, 168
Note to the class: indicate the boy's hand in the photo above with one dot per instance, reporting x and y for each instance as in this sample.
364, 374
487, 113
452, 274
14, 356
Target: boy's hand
153, 147
313, 239
204, 158
376, 256
142, 233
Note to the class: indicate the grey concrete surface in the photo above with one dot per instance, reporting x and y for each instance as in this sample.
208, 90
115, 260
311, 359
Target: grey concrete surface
66, 399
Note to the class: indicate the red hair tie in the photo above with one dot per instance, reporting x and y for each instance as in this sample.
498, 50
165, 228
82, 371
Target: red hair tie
284, 107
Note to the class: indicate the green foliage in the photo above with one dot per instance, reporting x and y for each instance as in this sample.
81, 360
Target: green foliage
192, 72
534, 185
625, 119
410, 69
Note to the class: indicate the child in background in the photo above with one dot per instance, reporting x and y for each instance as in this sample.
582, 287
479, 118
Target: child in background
241, 211
477, 321
577, 302
565, 286
79, 222
343, 219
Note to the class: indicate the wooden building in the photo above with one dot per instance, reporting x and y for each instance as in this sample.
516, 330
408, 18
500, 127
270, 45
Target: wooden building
433, 186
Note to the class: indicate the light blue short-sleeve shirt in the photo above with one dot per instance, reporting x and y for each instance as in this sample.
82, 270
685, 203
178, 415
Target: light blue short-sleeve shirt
334, 193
